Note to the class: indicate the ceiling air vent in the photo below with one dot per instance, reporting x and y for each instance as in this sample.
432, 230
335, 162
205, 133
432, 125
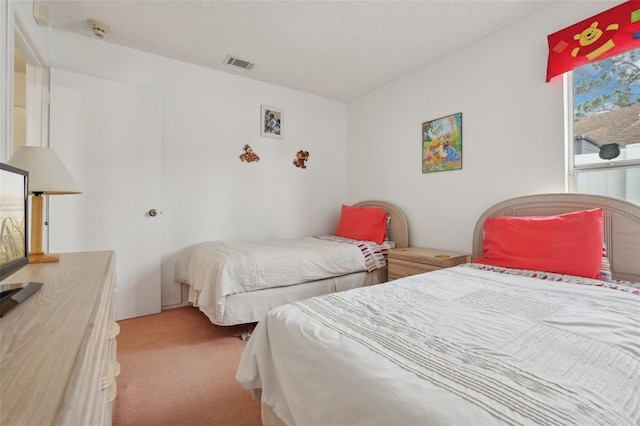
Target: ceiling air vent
230, 60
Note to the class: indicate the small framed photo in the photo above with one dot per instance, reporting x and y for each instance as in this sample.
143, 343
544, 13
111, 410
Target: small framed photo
271, 122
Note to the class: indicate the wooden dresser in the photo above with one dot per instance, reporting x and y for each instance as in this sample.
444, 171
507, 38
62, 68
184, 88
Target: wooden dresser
416, 260
58, 348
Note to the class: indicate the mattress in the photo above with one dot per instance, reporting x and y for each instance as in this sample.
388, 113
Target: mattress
251, 307
464, 345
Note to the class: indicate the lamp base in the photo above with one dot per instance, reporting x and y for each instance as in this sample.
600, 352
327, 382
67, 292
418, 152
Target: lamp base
43, 258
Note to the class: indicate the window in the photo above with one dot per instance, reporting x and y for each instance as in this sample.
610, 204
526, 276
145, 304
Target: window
604, 111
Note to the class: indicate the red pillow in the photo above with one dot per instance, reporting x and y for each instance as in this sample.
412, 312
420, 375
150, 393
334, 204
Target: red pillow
565, 244
362, 223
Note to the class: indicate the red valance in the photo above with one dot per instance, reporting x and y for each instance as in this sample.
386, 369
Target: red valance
607, 34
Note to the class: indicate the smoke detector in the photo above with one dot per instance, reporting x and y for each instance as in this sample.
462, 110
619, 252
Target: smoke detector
99, 28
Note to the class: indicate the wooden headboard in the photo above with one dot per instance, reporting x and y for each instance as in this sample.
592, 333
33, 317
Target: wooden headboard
398, 229
621, 224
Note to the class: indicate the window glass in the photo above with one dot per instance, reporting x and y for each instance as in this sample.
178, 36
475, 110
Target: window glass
606, 127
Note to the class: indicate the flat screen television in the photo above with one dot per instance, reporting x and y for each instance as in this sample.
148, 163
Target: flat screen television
14, 185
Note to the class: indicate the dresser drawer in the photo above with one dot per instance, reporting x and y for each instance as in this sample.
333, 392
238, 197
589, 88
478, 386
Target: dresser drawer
403, 268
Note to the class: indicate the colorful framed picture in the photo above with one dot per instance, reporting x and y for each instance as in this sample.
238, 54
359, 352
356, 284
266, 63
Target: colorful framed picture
442, 144
271, 122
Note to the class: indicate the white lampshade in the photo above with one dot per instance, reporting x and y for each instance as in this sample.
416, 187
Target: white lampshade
47, 174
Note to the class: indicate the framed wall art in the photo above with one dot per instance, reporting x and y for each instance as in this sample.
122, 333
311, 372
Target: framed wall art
271, 122
442, 144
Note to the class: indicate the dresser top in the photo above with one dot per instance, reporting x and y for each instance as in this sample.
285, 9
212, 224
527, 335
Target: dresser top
428, 255
42, 339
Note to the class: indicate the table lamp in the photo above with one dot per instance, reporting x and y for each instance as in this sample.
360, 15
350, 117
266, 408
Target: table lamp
47, 176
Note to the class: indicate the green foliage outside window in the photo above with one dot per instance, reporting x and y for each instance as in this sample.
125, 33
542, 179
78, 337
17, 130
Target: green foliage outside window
607, 85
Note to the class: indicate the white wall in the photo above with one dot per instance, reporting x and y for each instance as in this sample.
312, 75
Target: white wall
512, 130
208, 116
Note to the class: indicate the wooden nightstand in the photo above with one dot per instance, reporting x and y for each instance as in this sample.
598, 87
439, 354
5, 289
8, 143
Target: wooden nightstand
416, 260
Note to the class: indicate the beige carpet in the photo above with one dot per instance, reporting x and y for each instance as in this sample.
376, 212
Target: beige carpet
177, 368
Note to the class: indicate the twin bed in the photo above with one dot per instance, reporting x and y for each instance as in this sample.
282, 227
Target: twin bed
238, 283
480, 343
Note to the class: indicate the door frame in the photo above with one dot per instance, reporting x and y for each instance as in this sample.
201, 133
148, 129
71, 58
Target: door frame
19, 32
6, 85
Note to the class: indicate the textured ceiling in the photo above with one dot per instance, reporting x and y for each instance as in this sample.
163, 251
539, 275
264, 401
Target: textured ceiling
335, 49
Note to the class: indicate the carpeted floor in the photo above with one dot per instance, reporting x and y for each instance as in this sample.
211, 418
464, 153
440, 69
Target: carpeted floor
177, 368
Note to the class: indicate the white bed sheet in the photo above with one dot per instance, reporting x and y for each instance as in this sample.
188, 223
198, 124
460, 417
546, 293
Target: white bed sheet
251, 307
456, 346
215, 270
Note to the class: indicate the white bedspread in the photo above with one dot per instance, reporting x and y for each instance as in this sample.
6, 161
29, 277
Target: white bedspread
217, 269
458, 346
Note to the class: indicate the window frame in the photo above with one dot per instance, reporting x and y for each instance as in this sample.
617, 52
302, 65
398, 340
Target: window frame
570, 179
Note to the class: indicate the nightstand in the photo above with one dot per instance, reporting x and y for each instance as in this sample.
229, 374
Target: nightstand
416, 260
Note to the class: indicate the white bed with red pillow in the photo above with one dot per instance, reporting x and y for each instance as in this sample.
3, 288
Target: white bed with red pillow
239, 282
478, 344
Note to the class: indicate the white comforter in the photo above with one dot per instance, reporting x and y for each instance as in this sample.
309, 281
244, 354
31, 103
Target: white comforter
458, 346
216, 269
